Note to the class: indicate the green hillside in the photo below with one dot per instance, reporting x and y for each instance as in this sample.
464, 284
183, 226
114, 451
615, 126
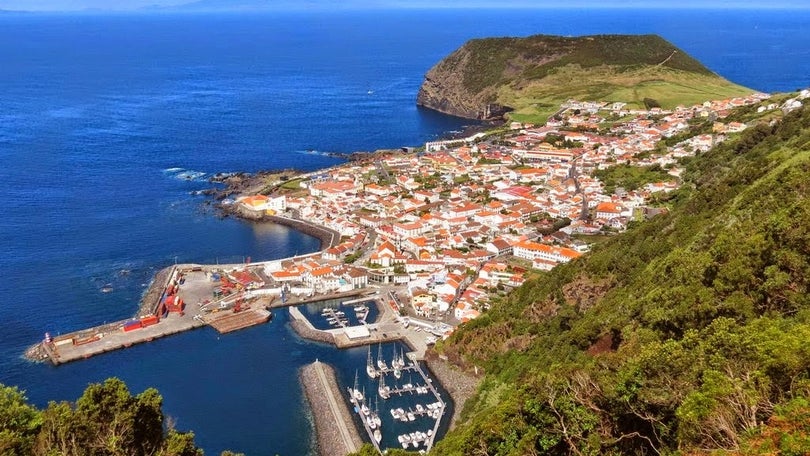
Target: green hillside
536, 99
688, 334
534, 75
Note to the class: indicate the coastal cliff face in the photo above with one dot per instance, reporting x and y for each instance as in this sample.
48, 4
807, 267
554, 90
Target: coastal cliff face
465, 83
486, 78
444, 90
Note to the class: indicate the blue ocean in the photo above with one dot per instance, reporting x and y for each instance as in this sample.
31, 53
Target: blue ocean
109, 124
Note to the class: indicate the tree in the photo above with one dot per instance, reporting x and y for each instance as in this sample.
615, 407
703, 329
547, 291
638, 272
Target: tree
105, 421
19, 422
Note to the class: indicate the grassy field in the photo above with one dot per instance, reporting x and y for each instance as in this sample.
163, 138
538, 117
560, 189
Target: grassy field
536, 100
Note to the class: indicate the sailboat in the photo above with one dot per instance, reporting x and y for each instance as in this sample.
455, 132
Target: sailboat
355, 396
363, 407
372, 373
397, 371
376, 415
383, 391
373, 419
380, 361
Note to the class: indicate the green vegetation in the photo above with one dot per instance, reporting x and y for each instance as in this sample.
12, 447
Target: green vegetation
631, 177
535, 100
294, 184
368, 450
351, 258
495, 57
106, 420
685, 335
534, 75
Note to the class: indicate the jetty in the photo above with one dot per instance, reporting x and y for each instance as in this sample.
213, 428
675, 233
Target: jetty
333, 422
181, 298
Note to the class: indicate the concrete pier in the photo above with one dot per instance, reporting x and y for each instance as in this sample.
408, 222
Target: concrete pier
199, 310
336, 432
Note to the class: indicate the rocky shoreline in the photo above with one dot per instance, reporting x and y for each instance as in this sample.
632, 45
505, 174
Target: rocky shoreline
328, 237
460, 385
151, 299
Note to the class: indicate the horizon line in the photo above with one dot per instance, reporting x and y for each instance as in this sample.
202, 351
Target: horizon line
184, 9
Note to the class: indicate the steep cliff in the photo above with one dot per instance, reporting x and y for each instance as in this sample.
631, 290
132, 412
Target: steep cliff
486, 78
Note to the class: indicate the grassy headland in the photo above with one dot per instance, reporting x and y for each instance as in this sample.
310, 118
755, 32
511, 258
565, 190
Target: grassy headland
532, 76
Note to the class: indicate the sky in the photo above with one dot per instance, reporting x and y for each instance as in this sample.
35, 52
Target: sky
125, 5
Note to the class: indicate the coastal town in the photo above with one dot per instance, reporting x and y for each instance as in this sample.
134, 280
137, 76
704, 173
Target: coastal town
428, 239
462, 221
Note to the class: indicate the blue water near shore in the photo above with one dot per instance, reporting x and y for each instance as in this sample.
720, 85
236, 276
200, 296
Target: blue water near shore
102, 118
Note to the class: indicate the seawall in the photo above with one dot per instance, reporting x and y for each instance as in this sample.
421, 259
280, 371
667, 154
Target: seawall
304, 328
336, 433
328, 237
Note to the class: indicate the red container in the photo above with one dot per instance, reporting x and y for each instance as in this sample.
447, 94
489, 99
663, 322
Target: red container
149, 320
132, 325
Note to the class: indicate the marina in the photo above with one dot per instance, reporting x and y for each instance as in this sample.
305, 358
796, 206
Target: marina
427, 413
396, 404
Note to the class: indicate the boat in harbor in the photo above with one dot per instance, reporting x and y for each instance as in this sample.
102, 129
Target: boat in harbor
404, 440
400, 360
372, 373
383, 390
414, 439
355, 396
396, 364
374, 420
380, 361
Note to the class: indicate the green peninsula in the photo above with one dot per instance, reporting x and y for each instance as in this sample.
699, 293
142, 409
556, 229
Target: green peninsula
531, 77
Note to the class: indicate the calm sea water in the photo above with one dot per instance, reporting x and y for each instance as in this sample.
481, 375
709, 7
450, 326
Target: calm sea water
102, 117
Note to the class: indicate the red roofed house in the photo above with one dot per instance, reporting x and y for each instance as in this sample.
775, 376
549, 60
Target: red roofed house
533, 250
386, 255
607, 210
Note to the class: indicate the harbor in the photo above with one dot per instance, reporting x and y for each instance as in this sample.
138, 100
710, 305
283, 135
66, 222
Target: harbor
401, 405
182, 298
395, 400
429, 402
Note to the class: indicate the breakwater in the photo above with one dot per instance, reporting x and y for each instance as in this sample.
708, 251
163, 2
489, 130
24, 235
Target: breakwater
304, 328
336, 432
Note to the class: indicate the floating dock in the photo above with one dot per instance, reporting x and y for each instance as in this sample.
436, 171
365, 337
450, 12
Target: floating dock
435, 410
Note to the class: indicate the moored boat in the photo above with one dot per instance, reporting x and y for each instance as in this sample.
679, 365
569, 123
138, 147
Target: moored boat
372, 373
380, 361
